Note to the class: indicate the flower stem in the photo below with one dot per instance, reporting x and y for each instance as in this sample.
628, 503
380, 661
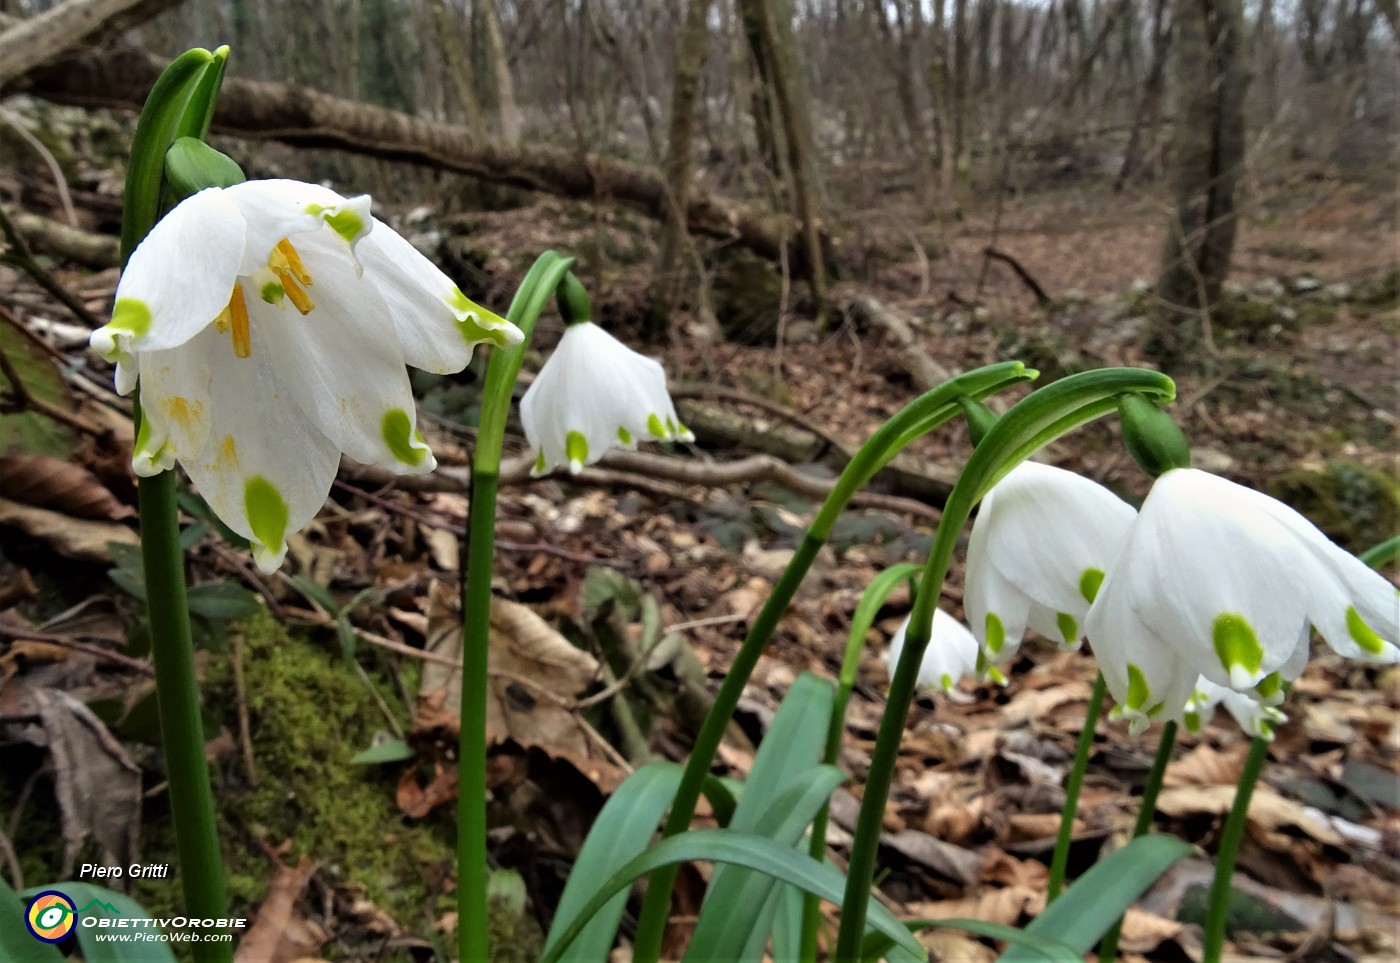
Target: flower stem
177, 694
919, 416
1073, 784
1033, 422
1108, 949
1219, 912
476, 565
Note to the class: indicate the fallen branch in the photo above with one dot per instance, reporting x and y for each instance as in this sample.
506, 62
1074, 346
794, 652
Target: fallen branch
300, 116
1040, 296
28, 43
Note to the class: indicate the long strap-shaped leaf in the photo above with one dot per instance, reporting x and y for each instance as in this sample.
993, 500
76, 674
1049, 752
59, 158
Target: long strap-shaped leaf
739, 849
15, 942
95, 902
623, 829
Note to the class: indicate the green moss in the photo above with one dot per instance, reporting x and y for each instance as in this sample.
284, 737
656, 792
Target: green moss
747, 295
1354, 504
309, 714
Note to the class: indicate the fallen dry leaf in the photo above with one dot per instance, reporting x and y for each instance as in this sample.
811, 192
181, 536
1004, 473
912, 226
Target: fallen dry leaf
1006, 906
1268, 811
84, 539
274, 936
46, 482
1203, 766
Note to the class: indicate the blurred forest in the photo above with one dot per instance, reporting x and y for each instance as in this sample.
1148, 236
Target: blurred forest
812, 210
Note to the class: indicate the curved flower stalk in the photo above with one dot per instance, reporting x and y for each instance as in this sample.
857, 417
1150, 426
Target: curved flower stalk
1041, 543
269, 324
1218, 581
594, 393
951, 653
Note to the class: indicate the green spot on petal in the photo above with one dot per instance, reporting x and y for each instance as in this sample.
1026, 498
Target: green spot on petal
345, 222
266, 510
1069, 628
996, 634
399, 436
1089, 583
1138, 690
946, 681
1236, 645
539, 464
576, 448
475, 324
654, 425
130, 316
1271, 686
1193, 722
1362, 634
623, 435
272, 292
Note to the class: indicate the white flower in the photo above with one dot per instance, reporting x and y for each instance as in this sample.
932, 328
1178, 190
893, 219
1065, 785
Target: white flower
1254, 717
595, 393
1220, 581
1041, 543
951, 653
269, 324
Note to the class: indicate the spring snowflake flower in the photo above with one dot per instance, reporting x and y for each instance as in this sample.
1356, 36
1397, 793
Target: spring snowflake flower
1041, 543
951, 653
269, 324
1220, 581
1254, 717
595, 393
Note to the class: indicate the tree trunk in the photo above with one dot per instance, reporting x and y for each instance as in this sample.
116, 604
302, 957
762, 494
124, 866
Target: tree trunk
1209, 155
940, 90
494, 90
1148, 110
459, 69
676, 168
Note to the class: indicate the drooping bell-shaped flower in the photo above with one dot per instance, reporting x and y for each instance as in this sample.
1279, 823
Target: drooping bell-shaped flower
1217, 580
951, 653
269, 323
594, 393
1041, 543
1254, 716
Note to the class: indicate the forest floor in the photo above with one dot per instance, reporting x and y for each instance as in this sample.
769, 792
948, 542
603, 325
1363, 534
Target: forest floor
353, 860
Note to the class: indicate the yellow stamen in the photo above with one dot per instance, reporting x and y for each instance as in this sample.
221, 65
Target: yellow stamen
295, 292
292, 260
237, 312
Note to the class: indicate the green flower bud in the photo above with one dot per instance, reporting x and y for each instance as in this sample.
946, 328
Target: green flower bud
980, 418
192, 165
1152, 437
574, 306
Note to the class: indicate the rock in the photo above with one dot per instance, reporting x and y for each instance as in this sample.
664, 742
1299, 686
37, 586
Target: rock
1338, 291
1305, 284
1354, 504
1270, 289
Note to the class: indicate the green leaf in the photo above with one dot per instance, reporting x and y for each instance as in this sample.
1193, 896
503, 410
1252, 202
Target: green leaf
30, 431
737, 915
156, 129
192, 165
1042, 948
787, 923
1099, 898
735, 848
130, 581
316, 593
723, 792
622, 830
345, 630
16, 944
199, 113
95, 901
389, 750
223, 600
791, 746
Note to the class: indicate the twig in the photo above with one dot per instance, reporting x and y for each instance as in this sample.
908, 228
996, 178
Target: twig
1041, 298
21, 257
60, 182
14, 631
763, 404
245, 730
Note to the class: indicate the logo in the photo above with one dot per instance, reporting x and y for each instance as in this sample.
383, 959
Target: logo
51, 916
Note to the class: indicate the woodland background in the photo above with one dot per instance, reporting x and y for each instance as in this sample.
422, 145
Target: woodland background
812, 209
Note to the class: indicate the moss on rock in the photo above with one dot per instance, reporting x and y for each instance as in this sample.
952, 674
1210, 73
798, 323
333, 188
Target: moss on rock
1354, 504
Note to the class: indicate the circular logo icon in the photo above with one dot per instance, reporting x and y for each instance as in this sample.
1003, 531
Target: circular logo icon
51, 916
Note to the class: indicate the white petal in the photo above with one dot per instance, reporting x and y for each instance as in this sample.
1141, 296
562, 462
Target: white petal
595, 393
1047, 527
266, 469
178, 280
997, 610
277, 209
1212, 573
951, 652
437, 325
1255, 718
176, 402
341, 363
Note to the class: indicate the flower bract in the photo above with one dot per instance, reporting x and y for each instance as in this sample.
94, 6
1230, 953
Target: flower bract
269, 324
595, 393
1041, 543
951, 653
1217, 580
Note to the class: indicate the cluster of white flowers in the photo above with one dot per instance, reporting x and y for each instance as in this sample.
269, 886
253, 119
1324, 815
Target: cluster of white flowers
270, 323
1209, 594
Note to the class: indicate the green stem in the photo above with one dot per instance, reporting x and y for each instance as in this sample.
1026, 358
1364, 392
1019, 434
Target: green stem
1108, 949
1219, 912
477, 562
921, 415
1073, 784
177, 693
1033, 422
